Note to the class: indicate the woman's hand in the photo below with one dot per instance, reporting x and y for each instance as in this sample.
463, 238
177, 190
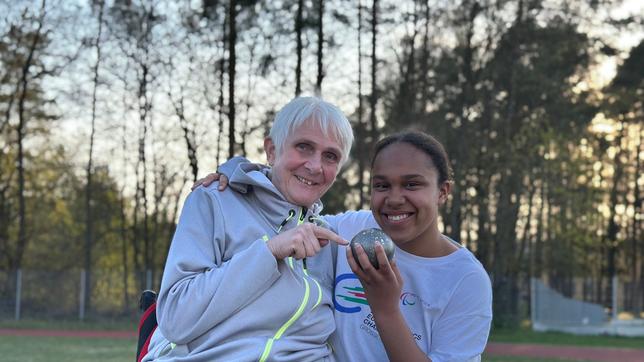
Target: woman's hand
382, 286
302, 241
209, 179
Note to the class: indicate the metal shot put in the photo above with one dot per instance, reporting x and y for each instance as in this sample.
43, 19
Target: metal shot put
368, 239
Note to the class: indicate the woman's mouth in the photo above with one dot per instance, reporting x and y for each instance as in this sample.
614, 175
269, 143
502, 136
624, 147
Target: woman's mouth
305, 181
397, 217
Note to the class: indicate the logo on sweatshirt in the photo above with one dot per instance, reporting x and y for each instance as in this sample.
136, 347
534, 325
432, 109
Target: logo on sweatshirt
349, 294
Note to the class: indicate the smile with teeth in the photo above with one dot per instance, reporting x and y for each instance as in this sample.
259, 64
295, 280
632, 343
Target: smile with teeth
304, 181
398, 217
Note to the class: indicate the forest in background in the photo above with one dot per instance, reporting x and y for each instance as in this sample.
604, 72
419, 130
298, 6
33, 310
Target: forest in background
109, 110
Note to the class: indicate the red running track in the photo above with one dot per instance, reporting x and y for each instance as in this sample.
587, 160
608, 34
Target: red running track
600, 354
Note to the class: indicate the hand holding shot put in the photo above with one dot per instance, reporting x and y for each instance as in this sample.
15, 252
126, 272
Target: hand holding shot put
382, 282
368, 239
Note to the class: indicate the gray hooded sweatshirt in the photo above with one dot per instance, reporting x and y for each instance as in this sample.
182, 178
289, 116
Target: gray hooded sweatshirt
224, 296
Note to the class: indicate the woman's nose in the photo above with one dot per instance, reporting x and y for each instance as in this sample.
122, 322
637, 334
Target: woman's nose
314, 164
395, 198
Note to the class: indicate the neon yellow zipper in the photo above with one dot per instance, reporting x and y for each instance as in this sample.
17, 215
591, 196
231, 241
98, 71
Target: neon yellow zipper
280, 332
300, 310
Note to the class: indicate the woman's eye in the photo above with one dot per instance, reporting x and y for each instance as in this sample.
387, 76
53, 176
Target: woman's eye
330, 156
411, 185
380, 187
303, 146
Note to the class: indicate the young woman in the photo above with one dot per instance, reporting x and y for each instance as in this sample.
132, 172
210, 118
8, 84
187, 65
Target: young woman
433, 302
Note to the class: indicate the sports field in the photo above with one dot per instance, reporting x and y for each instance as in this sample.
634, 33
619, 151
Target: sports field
47, 349
74, 342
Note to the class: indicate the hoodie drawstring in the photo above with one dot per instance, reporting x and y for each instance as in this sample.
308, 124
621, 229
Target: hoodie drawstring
298, 313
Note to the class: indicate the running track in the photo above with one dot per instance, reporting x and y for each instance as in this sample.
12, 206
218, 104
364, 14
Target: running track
493, 349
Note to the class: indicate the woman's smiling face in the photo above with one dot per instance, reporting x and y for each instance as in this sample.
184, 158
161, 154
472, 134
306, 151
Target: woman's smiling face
307, 164
406, 195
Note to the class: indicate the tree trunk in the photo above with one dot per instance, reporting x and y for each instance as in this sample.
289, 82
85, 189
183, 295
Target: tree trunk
189, 135
89, 219
4, 224
525, 237
505, 240
246, 130
124, 224
360, 149
465, 100
298, 47
318, 82
613, 226
373, 99
636, 233
537, 266
141, 167
484, 240
21, 129
424, 61
220, 101
232, 40
124, 239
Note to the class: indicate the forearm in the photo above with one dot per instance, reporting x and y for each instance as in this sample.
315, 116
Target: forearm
192, 302
397, 338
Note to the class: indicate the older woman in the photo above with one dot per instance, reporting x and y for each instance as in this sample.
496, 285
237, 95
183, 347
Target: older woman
235, 285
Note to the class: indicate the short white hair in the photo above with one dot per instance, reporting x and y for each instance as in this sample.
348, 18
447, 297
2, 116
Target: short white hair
328, 117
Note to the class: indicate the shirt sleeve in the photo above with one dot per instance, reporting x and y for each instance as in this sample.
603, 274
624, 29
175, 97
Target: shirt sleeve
349, 223
462, 332
199, 289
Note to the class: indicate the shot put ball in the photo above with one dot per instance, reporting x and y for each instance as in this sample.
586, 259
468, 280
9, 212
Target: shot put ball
368, 239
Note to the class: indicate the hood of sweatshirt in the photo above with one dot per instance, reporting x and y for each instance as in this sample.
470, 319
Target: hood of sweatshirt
255, 180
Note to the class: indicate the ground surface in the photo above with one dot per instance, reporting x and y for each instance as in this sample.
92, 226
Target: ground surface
538, 351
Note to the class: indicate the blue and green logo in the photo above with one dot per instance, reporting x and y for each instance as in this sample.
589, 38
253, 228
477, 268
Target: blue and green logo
349, 294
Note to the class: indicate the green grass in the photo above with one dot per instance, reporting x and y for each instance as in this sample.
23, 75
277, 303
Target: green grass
528, 336
91, 325
47, 349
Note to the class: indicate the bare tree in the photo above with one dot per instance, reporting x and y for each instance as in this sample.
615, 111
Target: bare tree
136, 23
220, 100
298, 46
360, 129
373, 99
189, 135
36, 38
232, 40
89, 220
320, 73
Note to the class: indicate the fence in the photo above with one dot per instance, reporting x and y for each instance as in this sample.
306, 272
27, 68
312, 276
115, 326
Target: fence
587, 306
39, 294
555, 304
